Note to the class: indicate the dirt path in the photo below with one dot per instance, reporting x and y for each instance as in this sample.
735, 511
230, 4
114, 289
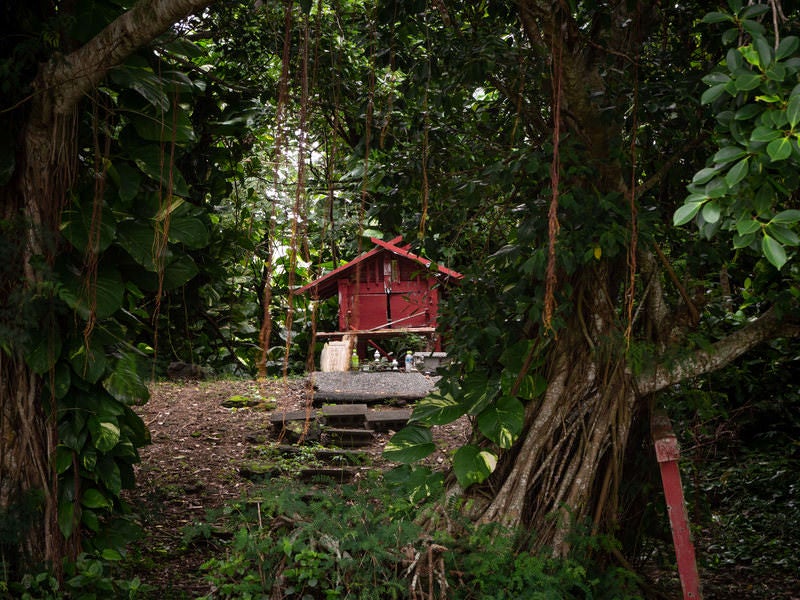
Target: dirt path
191, 467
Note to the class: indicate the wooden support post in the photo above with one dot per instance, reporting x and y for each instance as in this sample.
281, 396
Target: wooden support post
667, 454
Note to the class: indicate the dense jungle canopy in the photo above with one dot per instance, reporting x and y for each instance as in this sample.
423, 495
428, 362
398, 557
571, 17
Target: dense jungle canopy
617, 180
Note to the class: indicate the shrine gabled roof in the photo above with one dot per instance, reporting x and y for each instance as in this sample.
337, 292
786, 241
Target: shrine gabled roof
326, 285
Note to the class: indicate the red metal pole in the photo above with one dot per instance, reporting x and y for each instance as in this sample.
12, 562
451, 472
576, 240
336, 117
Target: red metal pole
667, 454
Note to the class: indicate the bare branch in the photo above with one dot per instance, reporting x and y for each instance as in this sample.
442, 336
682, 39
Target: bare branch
768, 326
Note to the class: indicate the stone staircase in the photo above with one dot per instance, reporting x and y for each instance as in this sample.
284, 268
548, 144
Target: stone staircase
340, 425
331, 435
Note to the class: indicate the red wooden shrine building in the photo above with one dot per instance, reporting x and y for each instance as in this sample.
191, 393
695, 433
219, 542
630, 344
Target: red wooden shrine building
384, 292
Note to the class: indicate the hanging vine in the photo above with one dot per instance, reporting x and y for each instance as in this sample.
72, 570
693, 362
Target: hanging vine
283, 93
163, 217
299, 205
553, 227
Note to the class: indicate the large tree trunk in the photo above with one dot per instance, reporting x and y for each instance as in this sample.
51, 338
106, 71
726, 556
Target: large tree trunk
568, 460
30, 212
567, 467
28, 427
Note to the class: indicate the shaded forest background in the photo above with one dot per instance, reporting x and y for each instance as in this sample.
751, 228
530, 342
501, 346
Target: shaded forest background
168, 179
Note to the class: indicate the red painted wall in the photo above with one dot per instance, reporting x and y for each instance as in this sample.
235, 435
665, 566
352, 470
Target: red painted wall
387, 287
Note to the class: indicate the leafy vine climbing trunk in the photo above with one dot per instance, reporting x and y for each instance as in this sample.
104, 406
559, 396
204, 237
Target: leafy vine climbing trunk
32, 205
45, 127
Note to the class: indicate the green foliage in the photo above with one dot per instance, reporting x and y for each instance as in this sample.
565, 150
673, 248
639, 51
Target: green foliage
359, 541
748, 187
90, 577
318, 544
494, 567
741, 435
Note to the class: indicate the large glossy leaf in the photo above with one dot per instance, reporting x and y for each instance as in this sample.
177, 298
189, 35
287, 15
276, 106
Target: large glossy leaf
72, 433
179, 271
712, 93
134, 428
737, 172
531, 385
743, 241
788, 46
105, 295
780, 149
124, 383
729, 154
746, 224
60, 381
471, 465
436, 410
128, 180
711, 212
783, 234
46, 350
787, 217
44, 354
138, 239
764, 134
765, 52
410, 444
66, 518
705, 175
189, 231
477, 392
144, 81
94, 498
105, 433
686, 213
502, 421
63, 458
153, 161
88, 363
77, 226
415, 483
774, 251
109, 471
717, 17
90, 520
170, 127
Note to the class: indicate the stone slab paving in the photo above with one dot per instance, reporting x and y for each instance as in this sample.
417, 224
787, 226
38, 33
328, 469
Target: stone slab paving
371, 387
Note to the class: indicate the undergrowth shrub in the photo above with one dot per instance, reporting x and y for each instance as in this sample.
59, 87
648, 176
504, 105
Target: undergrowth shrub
359, 541
88, 578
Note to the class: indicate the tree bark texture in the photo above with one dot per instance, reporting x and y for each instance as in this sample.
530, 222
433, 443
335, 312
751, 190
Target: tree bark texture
32, 201
569, 459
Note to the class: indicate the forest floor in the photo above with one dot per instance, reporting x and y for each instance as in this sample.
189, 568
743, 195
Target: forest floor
192, 468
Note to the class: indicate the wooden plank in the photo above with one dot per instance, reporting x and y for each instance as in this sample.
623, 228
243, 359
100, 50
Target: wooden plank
385, 332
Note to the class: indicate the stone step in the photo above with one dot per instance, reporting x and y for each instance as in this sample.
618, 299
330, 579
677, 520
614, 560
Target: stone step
328, 455
295, 426
349, 438
388, 420
280, 417
259, 473
335, 474
350, 416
